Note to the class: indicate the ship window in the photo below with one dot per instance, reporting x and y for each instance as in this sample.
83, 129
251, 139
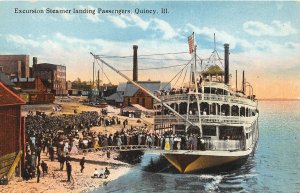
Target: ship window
232, 133
209, 130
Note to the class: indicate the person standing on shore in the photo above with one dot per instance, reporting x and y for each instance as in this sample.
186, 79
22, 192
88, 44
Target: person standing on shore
38, 173
69, 171
82, 161
62, 160
51, 153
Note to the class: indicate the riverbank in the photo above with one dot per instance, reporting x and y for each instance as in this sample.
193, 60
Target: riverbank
56, 180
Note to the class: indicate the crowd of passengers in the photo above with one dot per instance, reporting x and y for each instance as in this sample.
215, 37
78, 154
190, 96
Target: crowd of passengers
46, 133
43, 135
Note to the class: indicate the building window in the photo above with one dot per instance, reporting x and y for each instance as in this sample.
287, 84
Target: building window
143, 102
1, 68
137, 100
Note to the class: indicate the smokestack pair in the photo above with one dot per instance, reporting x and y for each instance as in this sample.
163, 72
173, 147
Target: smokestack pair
135, 64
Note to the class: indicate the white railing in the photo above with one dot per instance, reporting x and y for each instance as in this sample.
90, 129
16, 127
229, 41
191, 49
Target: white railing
171, 119
208, 97
226, 145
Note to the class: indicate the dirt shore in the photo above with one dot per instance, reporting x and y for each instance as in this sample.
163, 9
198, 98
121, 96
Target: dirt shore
56, 180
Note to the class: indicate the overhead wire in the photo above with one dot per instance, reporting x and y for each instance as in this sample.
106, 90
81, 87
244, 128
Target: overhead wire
154, 68
160, 54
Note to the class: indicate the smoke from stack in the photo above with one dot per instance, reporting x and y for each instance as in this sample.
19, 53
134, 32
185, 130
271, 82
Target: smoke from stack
135, 63
226, 58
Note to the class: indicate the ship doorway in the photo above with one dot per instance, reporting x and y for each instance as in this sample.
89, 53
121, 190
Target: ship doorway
193, 130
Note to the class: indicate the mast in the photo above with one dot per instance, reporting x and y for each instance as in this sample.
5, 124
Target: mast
142, 88
94, 73
197, 93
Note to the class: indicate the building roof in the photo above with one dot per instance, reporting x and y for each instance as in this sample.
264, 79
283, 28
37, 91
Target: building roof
7, 97
5, 79
117, 97
121, 87
130, 109
143, 109
150, 85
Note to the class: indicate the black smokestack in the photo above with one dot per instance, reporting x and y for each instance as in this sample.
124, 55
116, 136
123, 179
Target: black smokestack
135, 63
34, 60
243, 83
226, 58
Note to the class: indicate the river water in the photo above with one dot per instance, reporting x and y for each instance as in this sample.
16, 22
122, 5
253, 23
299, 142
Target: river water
274, 167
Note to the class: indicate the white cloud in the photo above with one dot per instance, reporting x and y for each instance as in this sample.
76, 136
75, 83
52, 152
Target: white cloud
21, 40
118, 21
89, 16
277, 28
153, 23
165, 28
125, 21
221, 36
136, 20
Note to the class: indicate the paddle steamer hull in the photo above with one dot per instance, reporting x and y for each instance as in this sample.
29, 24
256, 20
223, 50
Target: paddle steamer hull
192, 162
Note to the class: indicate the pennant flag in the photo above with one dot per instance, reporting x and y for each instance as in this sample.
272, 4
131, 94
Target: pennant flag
191, 43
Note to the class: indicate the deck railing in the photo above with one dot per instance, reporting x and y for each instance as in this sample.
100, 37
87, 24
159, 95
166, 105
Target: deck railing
171, 119
208, 97
227, 145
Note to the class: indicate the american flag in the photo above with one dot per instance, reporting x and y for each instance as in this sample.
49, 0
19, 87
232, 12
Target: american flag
191, 43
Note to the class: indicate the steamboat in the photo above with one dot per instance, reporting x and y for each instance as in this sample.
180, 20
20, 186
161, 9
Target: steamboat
224, 121
219, 123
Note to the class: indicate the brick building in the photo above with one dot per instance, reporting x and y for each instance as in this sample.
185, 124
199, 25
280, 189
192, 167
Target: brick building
53, 76
134, 95
15, 65
12, 131
33, 90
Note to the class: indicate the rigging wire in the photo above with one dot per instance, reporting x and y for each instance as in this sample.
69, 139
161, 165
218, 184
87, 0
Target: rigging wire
178, 78
156, 59
154, 68
161, 54
177, 74
103, 71
184, 77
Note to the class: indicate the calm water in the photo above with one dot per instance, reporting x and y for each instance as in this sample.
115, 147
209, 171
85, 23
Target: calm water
275, 166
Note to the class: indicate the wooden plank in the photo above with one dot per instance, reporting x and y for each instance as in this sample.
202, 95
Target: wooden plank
14, 165
3, 171
8, 156
6, 163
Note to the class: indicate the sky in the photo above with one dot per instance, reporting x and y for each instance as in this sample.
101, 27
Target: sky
264, 38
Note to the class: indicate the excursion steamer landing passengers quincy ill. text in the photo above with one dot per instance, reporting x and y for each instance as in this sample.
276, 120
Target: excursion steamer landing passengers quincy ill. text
89, 11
